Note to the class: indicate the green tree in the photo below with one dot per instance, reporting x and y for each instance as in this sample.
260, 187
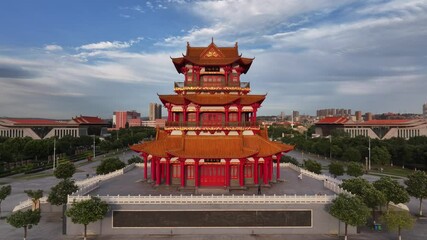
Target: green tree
392, 190
355, 185
336, 169
135, 159
398, 220
312, 166
351, 154
58, 194
351, 210
417, 187
4, 192
24, 219
35, 197
373, 198
109, 165
336, 151
380, 155
65, 170
354, 169
87, 211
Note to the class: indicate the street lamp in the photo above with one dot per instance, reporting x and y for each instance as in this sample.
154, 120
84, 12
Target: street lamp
369, 151
94, 147
54, 153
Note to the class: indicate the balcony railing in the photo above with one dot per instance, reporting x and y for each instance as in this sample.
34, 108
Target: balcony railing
211, 124
211, 85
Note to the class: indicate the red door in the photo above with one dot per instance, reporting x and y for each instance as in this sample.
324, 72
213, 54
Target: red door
212, 175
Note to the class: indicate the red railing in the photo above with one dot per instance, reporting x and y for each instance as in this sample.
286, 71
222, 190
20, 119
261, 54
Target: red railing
211, 124
203, 85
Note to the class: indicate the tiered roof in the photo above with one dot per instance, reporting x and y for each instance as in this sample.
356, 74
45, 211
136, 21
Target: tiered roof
214, 99
185, 146
212, 56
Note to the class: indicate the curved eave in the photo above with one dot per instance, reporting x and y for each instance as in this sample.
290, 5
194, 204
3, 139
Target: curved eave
180, 62
174, 99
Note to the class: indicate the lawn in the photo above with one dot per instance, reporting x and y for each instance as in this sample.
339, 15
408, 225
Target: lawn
397, 171
34, 176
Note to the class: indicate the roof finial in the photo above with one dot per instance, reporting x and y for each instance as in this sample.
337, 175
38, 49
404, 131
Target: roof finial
212, 39
188, 44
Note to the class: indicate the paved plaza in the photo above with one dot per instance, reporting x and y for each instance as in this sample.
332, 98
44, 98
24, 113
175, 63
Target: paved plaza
132, 183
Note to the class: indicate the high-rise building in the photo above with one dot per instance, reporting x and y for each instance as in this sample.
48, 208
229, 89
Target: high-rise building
358, 116
333, 112
425, 110
154, 111
368, 116
295, 115
120, 118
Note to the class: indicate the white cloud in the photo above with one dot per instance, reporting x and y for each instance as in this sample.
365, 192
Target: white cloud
105, 45
52, 48
110, 45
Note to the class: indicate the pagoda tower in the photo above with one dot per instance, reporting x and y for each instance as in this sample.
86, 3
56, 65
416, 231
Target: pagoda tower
212, 137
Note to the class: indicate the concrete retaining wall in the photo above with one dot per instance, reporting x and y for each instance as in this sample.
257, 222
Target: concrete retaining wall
322, 221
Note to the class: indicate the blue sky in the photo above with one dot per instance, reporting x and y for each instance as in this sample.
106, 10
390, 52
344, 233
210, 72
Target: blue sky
59, 59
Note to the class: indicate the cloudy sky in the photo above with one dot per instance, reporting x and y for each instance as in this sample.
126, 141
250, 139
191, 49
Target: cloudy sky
59, 59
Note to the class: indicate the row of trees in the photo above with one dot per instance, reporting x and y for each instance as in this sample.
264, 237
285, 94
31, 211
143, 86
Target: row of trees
353, 210
83, 212
397, 151
14, 150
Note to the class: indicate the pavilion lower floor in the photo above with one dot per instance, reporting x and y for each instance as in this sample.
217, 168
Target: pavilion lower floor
213, 172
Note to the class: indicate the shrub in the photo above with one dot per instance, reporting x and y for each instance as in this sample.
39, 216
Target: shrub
109, 165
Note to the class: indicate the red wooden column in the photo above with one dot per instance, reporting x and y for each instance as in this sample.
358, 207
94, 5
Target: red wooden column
241, 172
144, 155
184, 118
254, 111
265, 173
153, 168
162, 170
227, 118
227, 172
158, 176
227, 71
256, 171
168, 172
279, 156
239, 114
196, 74
184, 71
271, 169
197, 115
169, 107
196, 172
182, 172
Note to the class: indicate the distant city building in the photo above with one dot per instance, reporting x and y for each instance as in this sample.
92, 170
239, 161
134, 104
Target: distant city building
378, 129
156, 123
37, 128
358, 115
295, 115
368, 116
425, 110
154, 111
282, 116
120, 118
333, 112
